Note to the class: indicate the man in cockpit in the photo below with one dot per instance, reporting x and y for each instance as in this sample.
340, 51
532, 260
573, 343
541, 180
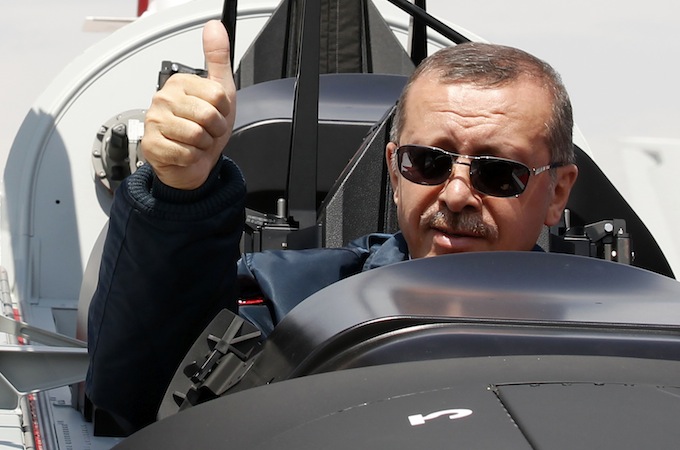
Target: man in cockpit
480, 159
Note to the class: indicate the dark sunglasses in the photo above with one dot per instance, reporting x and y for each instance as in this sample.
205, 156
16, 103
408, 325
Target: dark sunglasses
490, 175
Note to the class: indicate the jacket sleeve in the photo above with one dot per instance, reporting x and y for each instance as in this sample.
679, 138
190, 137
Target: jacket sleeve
169, 265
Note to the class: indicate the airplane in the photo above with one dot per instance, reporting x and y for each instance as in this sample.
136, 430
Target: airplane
460, 362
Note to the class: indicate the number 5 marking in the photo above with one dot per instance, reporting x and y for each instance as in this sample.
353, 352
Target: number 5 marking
419, 419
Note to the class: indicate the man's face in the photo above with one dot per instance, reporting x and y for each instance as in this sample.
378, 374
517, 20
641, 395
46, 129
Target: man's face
508, 122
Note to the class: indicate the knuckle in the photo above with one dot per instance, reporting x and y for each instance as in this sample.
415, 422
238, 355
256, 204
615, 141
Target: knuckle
215, 93
213, 122
162, 98
196, 135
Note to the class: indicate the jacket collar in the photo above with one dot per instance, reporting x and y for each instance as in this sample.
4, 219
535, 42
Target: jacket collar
393, 250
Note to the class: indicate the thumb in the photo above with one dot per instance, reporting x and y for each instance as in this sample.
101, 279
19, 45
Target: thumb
217, 53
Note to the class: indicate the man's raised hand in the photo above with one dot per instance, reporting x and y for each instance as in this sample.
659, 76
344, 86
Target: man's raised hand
191, 119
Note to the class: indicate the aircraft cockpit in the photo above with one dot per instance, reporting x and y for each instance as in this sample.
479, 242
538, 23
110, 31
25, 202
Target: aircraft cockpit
399, 356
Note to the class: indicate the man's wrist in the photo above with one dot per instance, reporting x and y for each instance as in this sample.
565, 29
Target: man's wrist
223, 190
165, 193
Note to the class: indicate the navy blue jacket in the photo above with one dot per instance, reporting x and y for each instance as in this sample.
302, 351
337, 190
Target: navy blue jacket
284, 278
171, 262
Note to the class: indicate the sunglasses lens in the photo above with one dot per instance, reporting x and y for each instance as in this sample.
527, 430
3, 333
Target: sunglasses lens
488, 175
423, 165
499, 178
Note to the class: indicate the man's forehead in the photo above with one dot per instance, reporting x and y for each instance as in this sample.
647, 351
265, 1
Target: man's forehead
511, 115
525, 93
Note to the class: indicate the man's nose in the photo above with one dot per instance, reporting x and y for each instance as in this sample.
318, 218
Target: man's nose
457, 192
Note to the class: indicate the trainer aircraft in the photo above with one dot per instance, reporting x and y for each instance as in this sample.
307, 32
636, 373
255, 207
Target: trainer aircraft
575, 348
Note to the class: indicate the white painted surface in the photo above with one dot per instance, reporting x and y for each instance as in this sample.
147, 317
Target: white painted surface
619, 60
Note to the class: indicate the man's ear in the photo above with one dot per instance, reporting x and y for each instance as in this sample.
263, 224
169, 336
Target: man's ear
390, 149
566, 177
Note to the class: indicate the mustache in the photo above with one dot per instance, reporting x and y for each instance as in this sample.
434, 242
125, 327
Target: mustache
468, 223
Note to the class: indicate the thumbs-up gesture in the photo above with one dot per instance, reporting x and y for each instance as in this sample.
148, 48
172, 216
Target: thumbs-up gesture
191, 119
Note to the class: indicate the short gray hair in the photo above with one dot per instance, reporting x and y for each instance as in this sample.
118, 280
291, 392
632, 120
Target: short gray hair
490, 66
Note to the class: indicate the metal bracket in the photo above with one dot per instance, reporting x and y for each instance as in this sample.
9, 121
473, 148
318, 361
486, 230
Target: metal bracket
218, 360
30, 368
